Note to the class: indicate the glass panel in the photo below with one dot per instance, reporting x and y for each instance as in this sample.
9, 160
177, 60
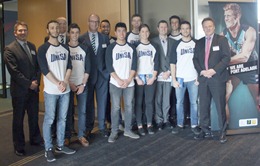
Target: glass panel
2, 67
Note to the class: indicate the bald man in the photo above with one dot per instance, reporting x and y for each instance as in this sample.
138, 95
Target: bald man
99, 76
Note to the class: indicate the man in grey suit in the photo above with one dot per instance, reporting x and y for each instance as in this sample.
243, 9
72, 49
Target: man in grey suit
163, 90
21, 62
99, 76
211, 58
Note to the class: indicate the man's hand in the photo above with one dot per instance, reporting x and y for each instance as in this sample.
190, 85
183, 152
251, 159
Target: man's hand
126, 83
166, 75
80, 89
73, 87
34, 85
150, 81
62, 86
176, 84
208, 73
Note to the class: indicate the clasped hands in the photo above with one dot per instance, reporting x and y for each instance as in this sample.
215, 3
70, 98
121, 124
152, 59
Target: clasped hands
208, 73
123, 83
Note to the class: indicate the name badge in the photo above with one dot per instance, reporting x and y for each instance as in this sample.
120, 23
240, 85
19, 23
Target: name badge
215, 48
104, 45
33, 52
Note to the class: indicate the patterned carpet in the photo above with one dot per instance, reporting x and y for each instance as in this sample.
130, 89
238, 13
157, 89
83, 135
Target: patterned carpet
162, 148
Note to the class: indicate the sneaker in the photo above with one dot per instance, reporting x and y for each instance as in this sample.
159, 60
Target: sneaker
196, 130
159, 126
177, 129
168, 125
64, 150
66, 142
83, 141
150, 130
112, 138
141, 131
121, 127
49, 155
131, 134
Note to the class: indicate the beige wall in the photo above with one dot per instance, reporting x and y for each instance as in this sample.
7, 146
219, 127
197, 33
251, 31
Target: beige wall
113, 10
37, 13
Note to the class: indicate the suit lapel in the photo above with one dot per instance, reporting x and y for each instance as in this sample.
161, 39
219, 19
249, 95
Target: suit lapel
99, 43
22, 51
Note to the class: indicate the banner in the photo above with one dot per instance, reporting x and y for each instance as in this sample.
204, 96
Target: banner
239, 24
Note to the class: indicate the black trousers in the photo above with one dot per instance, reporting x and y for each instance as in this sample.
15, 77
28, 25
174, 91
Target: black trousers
144, 98
217, 92
28, 102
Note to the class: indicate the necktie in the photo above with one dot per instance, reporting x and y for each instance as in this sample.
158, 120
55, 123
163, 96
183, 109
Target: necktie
207, 50
62, 39
93, 42
25, 47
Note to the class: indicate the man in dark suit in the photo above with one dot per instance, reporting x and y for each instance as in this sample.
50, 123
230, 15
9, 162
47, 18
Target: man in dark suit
21, 61
99, 76
211, 58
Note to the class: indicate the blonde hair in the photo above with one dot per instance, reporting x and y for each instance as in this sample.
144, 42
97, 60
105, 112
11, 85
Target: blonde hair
234, 7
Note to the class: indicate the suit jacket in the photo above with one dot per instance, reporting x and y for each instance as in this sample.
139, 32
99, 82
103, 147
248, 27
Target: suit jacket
219, 58
98, 67
164, 64
21, 69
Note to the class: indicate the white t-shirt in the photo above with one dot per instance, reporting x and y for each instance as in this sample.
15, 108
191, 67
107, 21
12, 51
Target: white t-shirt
184, 66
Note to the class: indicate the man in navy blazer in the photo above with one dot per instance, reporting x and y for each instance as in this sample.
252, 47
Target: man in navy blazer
21, 62
99, 76
211, 58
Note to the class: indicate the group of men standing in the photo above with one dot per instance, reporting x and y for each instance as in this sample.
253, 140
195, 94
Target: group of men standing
98, 63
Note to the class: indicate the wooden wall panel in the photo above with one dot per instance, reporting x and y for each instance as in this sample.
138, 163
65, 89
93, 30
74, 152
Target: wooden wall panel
113, 10
37, 13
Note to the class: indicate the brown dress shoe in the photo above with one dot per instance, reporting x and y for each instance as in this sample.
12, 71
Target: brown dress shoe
66, 142
83, 141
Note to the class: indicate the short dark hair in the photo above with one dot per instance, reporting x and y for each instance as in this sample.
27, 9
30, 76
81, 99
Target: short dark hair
136, 15
162, 21
120, 25
52, 21
208, 19
20, 23
175, 17
144, 26
73, 25
185, 22
105, 20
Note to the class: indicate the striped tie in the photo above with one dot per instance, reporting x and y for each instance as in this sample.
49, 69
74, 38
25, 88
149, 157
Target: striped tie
93, 43
62, 39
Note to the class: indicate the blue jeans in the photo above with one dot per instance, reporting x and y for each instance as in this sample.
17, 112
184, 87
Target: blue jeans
62, 104
193, 96
128, 96
81, 107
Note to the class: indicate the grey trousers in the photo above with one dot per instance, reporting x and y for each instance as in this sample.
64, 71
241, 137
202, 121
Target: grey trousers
162, 102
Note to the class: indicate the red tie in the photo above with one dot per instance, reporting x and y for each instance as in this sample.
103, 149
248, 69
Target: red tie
207, 50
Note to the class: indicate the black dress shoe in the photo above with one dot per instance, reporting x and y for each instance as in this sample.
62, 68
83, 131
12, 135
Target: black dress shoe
223, 138
199, 136
104, 133
20, 152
